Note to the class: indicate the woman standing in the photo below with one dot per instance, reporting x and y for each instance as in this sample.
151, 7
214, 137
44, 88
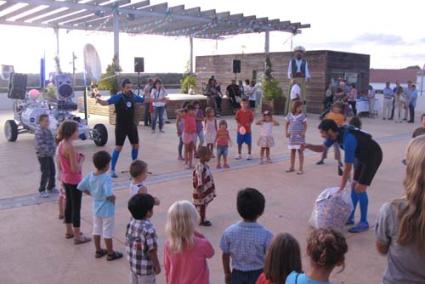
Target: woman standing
352, 98
70, 163
211, 93
400, 230
158, 99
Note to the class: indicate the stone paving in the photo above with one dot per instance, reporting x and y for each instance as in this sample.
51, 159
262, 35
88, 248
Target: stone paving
32, 244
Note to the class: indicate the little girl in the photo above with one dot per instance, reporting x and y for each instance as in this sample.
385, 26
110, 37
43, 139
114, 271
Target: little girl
296, 127
266, 135
186, 251
189, 135
223, 141
283, 257
203, 185
210, 129
326, 249
180, 127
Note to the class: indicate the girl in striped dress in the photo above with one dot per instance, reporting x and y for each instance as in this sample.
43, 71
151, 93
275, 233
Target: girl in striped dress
296, 127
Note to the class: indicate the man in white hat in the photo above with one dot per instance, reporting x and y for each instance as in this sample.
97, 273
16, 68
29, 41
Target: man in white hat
298, 68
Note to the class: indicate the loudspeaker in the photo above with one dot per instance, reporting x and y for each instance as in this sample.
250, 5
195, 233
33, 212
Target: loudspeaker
17, 86
63, 84
236, 66
139, 64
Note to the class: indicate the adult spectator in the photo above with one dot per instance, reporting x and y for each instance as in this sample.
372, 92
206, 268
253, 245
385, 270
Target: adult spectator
352, 98
371, 94
388, 101
159, 100
400, 232
395, 90
246, 89
147, 94
219, 97
211, 94
233, 92
412, 103
252, 95
295, 94
125, 125
361, 151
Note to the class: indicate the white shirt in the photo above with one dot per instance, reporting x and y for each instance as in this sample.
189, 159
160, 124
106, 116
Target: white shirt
158, 97
298, 62
295, 92
134, 188
252, 93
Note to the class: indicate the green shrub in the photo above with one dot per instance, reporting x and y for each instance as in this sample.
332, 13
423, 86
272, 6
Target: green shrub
109, 80
188, 81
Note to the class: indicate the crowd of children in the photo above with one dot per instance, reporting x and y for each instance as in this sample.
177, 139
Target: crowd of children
250, 253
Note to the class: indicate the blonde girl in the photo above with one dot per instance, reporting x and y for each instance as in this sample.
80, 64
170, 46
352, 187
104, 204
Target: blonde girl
266, 140
186, 251
296, 127
210, 129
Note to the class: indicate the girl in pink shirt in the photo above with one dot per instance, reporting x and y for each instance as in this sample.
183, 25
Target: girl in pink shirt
186, 251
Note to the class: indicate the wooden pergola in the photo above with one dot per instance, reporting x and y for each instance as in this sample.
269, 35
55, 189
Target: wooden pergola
125, 16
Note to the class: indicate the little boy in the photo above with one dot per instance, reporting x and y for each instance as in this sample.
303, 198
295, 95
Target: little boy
246, 242
244, 119
139, 173
142, 241
98, 184
45, 147
420, 130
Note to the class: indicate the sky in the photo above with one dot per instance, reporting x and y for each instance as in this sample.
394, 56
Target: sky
391, 31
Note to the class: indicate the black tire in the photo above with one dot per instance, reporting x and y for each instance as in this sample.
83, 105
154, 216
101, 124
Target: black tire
100, 135
11, 130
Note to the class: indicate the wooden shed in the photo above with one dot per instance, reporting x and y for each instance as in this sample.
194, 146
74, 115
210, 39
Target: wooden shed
325, 67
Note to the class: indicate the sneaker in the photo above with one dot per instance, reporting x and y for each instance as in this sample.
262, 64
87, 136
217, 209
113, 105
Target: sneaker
249, 157
113, 174
359, 228
44, 194
238, 157
321, 162
350, 222
162, 131
53, 190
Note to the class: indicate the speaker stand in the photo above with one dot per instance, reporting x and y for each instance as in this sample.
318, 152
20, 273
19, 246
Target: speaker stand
138, 83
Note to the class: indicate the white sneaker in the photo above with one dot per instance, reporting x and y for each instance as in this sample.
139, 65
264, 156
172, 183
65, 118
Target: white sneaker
238, 157
44, 194
249, 157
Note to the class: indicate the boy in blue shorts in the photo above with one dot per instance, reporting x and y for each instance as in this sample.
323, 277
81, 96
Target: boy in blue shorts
246, 242
244, 119
98, 185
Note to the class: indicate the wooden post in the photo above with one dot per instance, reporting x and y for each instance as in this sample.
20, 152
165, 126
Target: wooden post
191, 55
267, 43
116, 25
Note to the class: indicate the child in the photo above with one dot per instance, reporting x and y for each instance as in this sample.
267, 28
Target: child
45, 147
210, 129
266, 137
203, 185
244, 119
189, 135
62, 195
141, 241
296, 127
283, 257
355, 122
337, 115
200, 117
186, 251
246, 242
139, 173
98, 184
326, 249
223, 141
180, 127
420, 130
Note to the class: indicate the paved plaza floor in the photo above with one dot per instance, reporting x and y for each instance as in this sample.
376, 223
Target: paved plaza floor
32, 244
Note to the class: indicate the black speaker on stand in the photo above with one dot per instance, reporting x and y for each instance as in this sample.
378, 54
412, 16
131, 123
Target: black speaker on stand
139, 67
17, 86
236, 67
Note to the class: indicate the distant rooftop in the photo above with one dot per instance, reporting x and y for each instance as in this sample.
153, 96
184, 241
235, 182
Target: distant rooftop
392, 75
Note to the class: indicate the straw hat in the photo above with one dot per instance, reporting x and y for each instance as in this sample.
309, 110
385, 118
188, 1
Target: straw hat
299, 49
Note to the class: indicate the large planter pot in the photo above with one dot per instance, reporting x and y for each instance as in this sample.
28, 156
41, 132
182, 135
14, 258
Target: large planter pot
275, 106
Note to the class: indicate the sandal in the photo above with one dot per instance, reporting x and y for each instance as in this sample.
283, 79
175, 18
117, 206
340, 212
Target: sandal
115, 255
81, 240
290, 171
69, 236
101, 253
300, 173
205, 223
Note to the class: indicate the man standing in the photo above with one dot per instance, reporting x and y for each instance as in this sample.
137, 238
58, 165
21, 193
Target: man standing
146, 94
412, 103
388, 101
298, 68
361, 151
295, 94
395, 90
125, 125
406, 97
233, 92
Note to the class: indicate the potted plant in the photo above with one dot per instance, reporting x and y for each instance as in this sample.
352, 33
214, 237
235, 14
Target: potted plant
273, 100
188, 83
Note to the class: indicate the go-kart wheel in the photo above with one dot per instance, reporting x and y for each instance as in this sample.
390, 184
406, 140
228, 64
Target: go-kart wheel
100, 135
11, 130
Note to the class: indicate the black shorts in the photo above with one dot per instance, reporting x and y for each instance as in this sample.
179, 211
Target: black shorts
365, 170
127, 131
252, 104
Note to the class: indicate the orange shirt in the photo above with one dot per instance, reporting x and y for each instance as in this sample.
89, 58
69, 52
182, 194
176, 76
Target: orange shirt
223, 137
337, 117
245, 119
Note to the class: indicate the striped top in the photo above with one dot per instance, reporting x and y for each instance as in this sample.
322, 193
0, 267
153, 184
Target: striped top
296, 128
